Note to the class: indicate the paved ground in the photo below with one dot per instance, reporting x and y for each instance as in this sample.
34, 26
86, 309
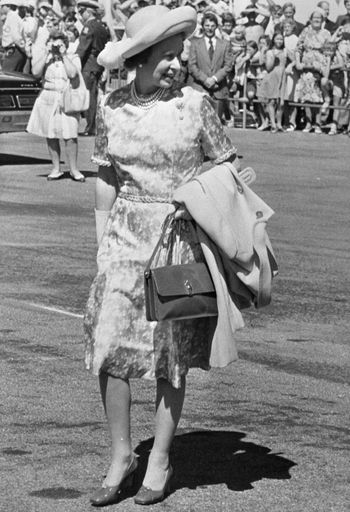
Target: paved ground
268, 433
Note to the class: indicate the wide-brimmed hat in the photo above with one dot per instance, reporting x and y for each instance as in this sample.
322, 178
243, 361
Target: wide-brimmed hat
9, 2
146, 27
92, 4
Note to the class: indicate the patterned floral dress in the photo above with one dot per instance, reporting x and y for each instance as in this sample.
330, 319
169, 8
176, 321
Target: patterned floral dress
153, 152
310, 46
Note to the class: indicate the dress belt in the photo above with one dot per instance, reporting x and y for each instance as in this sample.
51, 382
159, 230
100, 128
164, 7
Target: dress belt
143, 198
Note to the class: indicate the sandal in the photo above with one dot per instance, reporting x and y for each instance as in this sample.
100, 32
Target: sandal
55, 175
333, 130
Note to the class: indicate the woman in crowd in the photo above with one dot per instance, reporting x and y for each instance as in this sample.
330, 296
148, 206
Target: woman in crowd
311, 63
288, 10
152, 136
270, 89
292, 75
52, 63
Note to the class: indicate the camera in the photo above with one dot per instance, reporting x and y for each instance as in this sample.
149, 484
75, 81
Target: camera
55, 49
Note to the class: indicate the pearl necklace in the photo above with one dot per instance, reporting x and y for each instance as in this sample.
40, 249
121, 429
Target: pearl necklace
148, 101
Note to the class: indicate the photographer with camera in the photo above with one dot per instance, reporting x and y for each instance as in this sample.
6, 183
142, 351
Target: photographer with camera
48, 119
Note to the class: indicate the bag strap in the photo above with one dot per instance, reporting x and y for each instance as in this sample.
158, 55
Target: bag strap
167, 222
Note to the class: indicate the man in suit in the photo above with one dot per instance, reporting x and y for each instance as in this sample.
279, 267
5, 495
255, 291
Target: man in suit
92, 40
210, 61
344, 18
288, 10
328, 24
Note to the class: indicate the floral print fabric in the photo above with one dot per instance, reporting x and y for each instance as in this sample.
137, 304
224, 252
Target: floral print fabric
153, 152
310, 46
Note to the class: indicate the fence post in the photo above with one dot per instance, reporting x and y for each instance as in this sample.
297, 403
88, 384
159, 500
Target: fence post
244, 122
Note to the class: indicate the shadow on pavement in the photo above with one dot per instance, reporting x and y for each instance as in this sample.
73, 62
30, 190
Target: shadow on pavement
10, 159
66, 176
219, 457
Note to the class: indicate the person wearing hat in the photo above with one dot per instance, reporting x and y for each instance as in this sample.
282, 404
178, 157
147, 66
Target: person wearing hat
93, 37
12, 37
152, 136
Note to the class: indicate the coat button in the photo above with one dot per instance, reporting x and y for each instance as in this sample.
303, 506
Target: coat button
259, 214
240, 188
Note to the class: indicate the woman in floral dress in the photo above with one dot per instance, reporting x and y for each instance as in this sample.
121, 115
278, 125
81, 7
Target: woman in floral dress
311, 61
151, 137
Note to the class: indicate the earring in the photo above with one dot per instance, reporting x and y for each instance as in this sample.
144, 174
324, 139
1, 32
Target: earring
139, 65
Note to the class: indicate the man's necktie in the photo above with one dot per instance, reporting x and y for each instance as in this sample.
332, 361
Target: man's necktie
211, 48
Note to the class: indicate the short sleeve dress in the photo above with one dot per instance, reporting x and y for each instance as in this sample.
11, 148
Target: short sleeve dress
47, 118
153, 151
310, 47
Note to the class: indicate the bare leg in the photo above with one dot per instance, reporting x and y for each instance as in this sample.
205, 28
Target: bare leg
55, 153
308, 116
279, 114
317, 114
293, 116
72, 154
116, 399
169, 404
272, 114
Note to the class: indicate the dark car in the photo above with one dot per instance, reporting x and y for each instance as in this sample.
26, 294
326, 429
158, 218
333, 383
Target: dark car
18, 93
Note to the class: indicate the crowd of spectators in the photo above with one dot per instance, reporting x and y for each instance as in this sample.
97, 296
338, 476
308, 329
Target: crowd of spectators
286, 74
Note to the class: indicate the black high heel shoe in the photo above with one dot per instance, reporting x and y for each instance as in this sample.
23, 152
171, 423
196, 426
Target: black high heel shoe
110, 494
147, 496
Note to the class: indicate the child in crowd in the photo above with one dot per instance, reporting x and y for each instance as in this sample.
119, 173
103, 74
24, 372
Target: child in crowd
238, 41
275, 18
227, 25
271, 89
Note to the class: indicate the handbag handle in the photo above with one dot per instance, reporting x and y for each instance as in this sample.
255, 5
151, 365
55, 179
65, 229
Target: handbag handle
167, 222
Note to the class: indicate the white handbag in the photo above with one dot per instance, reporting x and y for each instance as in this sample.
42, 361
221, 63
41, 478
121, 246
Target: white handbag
76, 97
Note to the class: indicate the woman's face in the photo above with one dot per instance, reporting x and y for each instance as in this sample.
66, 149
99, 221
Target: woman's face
316, 20
263, 43
278, 41
288, 29
288, 12
227, 27
163, 64
250, 51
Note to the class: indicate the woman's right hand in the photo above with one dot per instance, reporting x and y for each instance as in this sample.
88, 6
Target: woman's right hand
182, 213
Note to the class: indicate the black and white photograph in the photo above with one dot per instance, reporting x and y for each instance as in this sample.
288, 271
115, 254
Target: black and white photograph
174, 255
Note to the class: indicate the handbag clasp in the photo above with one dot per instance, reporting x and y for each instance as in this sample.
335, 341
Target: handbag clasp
188, 287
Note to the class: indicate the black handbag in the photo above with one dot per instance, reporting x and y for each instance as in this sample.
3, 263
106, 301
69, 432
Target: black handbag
178, 292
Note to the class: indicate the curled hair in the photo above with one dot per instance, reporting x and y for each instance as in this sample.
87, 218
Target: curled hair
59, 35
140, 58
288, 4
227, 17
288, 22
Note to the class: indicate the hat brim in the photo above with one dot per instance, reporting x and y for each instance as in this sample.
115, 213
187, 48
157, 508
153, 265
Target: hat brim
176, 21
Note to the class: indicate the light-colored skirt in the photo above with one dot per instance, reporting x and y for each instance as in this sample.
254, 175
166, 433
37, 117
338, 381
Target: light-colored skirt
119, 340
48, 119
